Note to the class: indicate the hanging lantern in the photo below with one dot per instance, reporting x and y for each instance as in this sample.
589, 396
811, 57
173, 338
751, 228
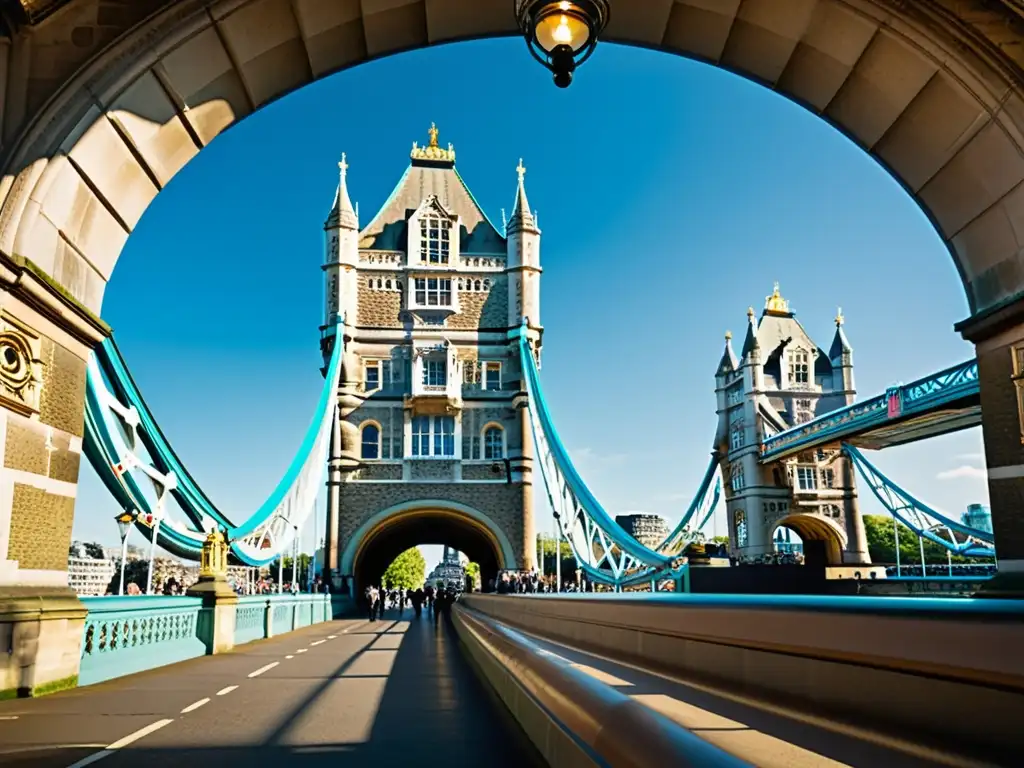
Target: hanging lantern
562, 34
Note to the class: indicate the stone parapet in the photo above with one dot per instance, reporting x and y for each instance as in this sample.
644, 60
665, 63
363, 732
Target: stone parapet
43, 627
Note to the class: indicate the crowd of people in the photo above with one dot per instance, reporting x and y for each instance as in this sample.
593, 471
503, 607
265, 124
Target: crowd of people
516, 583
437, 601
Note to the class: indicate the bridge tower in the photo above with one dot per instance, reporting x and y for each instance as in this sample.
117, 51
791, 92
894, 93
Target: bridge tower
432, 443
782, 378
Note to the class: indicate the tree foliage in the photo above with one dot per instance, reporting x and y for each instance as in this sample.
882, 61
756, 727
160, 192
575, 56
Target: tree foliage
546, 546
407, 571
473, 571
881, 538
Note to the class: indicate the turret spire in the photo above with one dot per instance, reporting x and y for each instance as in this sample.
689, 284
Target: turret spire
522, 218
729, 362
750, 342
342, 213
840, 344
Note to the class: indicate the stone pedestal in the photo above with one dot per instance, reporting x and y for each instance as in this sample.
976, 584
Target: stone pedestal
40, 639
217, 619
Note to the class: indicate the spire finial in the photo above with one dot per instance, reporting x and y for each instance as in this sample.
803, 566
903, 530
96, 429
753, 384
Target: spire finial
750, 312
839, 317
343, 166
521, 170
433, 134
728, 335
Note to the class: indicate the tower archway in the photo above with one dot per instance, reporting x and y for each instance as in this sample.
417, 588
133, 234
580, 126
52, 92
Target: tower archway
387, 534
816, 533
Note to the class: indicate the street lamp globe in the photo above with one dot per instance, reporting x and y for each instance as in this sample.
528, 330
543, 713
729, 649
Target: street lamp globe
124, 523
561, 34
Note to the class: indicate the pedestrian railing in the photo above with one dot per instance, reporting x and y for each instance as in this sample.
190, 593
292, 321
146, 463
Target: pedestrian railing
125, 635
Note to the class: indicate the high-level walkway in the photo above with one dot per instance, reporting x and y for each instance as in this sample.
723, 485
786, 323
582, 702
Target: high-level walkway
395, 692
344, 693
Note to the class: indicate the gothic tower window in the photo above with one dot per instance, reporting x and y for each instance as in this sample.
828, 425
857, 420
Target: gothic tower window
370, 441
798, 366
434, 239
433, 436
433, 291
494, 442
737, 481
741, 528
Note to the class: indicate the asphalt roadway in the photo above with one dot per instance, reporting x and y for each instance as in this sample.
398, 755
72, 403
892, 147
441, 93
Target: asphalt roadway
395, 692
343, 693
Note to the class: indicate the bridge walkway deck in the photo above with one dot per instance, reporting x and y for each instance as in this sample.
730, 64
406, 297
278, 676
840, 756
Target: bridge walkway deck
344, 693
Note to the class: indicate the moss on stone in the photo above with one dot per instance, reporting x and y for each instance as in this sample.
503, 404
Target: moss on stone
54, 686
43, 275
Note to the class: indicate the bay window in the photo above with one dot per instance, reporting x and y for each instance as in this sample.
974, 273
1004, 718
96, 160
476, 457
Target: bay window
435, 243
432, 291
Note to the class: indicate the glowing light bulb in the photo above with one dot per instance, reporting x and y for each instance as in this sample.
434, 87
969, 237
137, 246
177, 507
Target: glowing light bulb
562, 34
564, 5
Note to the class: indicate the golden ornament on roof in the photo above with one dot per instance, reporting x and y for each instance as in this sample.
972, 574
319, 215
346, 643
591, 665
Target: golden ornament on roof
775, 302
433, 150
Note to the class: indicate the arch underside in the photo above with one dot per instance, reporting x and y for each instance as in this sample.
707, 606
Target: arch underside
815, 528
920, 85
378, 546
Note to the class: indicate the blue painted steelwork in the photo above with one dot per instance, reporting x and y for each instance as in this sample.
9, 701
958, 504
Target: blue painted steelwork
118, 423
604, 551
124, 635
282, 614
922, 519
917, 398
703, 506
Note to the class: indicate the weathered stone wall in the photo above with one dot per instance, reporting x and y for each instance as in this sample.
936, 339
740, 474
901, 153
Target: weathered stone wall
483, 309
473, 421
501, 503
378, 472
50, 448
1001, 429
481, 472
378, 308
40, 529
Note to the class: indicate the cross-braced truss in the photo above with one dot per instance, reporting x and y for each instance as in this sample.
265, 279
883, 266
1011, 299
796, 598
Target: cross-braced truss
129, 452
921, 518
604, 551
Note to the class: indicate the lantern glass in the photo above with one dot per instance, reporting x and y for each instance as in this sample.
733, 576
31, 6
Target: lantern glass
561, 24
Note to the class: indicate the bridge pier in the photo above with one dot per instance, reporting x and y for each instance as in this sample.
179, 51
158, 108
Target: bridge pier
998, 337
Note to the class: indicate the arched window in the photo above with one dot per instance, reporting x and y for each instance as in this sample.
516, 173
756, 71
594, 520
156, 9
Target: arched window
476, 286
371, 441
387, 283
741, 528
487, 285
494, 442
798, 366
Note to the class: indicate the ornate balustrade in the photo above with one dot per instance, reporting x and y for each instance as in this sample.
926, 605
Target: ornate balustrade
947, 386
125, 635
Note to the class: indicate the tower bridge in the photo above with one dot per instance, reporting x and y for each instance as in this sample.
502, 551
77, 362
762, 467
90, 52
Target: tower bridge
104, 102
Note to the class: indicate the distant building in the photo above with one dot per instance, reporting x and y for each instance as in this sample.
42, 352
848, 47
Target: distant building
90, 576
978, 516
649, 530
449, 571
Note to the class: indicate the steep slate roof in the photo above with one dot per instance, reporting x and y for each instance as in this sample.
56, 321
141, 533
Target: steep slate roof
388, 231
779, 328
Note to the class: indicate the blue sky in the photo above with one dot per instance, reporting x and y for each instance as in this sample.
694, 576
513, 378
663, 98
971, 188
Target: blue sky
671, 196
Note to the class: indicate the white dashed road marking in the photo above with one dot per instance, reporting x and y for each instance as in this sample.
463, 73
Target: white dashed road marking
112, 748
318, 642
302, 650
193, 707
263, 669
224, 691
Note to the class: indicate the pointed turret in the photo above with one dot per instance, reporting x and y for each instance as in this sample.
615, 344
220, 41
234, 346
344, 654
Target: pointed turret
750, 342
343, 215
729, 362
522, 220
840, 344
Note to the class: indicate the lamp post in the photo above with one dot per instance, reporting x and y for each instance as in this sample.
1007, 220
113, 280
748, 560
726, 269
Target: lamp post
561, 34
124, 525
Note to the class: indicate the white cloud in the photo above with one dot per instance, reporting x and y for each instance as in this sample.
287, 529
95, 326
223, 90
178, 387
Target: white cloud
963, 471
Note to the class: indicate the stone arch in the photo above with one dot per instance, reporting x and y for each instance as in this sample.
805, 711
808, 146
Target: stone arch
390, 531
815, 528
931, 90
